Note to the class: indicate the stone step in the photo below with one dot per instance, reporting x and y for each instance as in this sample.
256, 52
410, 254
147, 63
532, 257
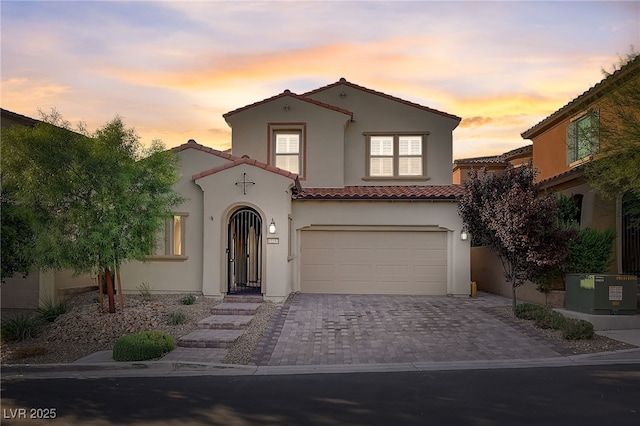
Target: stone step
243, 298
225, 308
225, 322
207, 338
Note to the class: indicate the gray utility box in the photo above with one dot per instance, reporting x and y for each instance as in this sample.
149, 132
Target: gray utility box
601, 294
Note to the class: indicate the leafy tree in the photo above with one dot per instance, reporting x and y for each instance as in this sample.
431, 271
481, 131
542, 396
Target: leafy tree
614, 170
17, 235
97, 199
505, 213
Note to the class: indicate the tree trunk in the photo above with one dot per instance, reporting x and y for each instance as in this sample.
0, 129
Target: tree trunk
513, 288
109, 280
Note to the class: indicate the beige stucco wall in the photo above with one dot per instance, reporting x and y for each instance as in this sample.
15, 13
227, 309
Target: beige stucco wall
271, 198
178, 275
373, 113
359, 214
323, 146
487, 272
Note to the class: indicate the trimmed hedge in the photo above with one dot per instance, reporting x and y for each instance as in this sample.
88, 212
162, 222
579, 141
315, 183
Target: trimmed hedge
143, 346
572, 329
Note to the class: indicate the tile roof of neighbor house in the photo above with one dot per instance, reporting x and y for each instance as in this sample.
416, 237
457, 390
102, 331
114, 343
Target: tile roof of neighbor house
497, 159
343, 81
27, 121
596, 91
289, 93
191, 144
414, 192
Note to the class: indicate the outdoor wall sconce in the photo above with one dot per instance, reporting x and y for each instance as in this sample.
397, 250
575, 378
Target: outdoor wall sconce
272, 227
286, 107
463, 235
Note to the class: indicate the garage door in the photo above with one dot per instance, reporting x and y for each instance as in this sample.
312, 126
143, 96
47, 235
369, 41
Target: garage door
370, 262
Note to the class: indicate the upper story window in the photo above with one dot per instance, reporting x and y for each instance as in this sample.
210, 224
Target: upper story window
287, 146
396, 155
582, 137
287, 152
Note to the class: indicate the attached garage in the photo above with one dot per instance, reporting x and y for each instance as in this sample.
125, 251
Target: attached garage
373, 262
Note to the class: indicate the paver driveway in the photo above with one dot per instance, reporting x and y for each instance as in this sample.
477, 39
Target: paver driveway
353, 329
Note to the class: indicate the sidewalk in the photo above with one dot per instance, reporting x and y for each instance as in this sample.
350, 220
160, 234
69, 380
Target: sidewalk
348, 333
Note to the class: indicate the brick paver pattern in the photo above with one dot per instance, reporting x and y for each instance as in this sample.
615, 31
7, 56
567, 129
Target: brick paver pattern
352, 329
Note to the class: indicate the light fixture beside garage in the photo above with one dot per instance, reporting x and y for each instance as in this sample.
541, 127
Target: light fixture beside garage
464, 236
272, 227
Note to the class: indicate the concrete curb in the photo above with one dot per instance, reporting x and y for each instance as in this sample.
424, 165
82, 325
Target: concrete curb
177, 368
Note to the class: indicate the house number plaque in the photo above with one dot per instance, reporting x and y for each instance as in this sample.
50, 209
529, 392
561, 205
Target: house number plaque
273, 240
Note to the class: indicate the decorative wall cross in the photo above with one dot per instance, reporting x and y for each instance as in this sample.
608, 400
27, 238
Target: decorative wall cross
244, 182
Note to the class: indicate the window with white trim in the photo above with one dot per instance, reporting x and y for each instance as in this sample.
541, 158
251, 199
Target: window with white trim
287, 150
582, 137
396, 155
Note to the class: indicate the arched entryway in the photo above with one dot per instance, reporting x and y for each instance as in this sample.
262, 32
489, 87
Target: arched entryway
244, 252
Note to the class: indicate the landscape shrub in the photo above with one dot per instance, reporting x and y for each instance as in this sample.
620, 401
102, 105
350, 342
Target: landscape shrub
575, 329
189, 300
50, 310
143, 346
528, 311
549, 319
176, 318
20, 327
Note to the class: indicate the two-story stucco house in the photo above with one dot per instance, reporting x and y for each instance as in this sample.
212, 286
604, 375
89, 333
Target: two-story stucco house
342, 189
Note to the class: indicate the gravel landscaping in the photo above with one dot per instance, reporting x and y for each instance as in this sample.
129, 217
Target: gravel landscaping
84, 329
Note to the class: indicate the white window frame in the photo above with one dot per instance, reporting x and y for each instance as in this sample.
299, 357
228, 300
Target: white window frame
276, 129
395, 155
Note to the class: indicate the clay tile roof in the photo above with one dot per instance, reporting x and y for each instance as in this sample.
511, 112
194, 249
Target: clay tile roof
246, 160
288, 93
343, 81
191, 144
496, 159
591, 94
422, 192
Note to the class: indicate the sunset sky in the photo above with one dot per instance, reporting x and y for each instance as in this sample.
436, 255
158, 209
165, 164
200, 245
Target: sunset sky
171, 69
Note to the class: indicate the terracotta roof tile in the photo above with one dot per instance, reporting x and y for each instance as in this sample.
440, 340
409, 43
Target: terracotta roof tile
343, 81
288, 93
414, 192
497, 159
191, 144
245, 160
588, 96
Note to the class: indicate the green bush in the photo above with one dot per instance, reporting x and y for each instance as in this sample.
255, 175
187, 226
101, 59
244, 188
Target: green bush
176, 318
189, 300
574, 329
143, 346
549, 319
20, 327
51, 310
591, 252
528, 311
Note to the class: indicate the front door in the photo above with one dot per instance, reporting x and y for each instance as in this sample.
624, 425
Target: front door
244, 252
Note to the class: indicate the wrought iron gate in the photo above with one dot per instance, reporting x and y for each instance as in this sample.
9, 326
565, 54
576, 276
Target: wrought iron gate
244, 252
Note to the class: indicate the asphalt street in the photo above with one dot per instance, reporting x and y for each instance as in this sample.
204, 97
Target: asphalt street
584, 395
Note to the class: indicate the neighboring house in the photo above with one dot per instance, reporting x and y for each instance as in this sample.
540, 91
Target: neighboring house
559, 153
28, 292
495, 163
342, 189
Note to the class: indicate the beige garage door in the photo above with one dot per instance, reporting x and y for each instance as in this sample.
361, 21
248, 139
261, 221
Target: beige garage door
369, 262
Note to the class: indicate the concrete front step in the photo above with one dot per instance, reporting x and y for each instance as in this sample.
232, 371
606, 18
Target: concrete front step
225, 308
243, 298
225, 322
207, 338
